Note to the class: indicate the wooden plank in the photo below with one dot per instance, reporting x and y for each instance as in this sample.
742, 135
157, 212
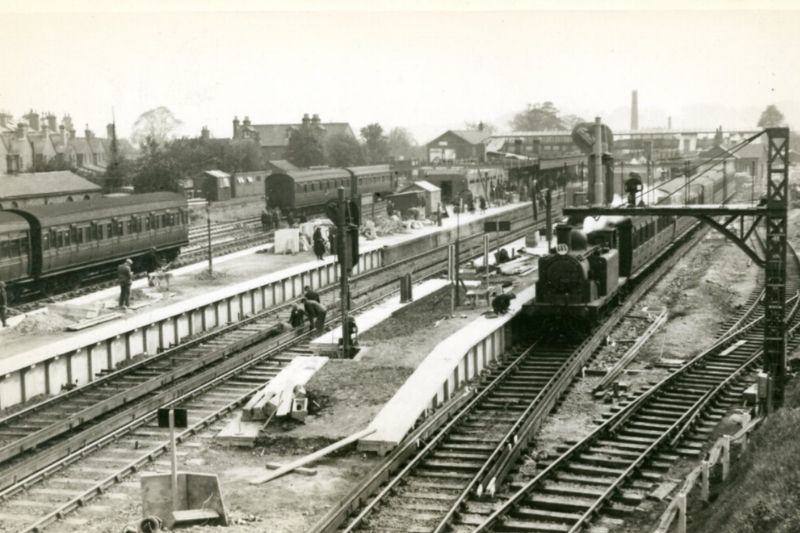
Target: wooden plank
312, 457
303, 471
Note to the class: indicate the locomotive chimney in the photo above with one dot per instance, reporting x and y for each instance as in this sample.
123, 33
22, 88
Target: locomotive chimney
599, 193
564, 234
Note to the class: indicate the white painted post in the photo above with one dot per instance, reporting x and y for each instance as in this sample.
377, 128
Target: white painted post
682, 512
704, 480
726, 456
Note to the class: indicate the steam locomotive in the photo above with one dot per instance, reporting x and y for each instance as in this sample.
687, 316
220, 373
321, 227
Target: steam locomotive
595, 259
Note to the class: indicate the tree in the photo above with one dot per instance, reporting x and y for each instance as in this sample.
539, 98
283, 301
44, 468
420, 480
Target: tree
305, 148
157, 124
570, 121
771, 117
481, 126
538, 117
401, 144
376, 145
343, 150
156, 170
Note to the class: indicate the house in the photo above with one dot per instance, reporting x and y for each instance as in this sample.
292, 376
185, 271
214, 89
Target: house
274, 138
458, 145
40, 188
18, 150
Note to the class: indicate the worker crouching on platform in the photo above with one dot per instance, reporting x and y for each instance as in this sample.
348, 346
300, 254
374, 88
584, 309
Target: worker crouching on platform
502, 302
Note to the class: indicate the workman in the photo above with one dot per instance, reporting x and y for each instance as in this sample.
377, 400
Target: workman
125, 278
501, 256
332, 239
297, 318
311, 294
3, 302
316, 314
502, 302
265, 220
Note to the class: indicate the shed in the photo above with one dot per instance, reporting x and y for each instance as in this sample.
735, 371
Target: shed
215, 185
40, 188
431, 193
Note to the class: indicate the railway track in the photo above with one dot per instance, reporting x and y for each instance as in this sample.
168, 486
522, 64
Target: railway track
43, 439
607, 473
425, 488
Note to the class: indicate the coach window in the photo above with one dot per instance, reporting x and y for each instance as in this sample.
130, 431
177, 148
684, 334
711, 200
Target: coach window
45, 241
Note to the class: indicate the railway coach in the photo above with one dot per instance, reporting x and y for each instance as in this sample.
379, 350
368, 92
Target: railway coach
49, 246
308, 190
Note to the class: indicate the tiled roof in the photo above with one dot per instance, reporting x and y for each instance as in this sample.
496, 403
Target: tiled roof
278, 134
471, 136
44, 184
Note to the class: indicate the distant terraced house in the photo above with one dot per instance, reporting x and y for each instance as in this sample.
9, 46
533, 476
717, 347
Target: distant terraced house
37, 143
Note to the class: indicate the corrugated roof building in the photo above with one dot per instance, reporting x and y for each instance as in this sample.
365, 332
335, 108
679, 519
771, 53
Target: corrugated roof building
458, 145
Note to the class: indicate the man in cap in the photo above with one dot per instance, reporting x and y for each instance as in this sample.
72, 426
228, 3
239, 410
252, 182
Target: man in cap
125, 278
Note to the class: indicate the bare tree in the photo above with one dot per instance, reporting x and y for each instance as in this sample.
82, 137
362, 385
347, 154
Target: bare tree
158, 124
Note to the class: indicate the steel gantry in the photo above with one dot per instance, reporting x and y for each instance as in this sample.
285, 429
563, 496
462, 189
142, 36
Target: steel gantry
773, 210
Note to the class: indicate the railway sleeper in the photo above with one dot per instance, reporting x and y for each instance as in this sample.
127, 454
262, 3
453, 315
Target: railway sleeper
441, 485
513, 525
444, 474
533, 513
476, 447
458, 455
453, 466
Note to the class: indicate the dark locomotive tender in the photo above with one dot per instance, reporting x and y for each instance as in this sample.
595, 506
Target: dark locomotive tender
44, 247
587, 270
308, 190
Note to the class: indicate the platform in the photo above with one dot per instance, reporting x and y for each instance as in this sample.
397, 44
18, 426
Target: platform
329, 341
447, 369
42, 363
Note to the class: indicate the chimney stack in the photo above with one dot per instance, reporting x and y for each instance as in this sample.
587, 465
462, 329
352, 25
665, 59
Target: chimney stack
88, 133
315, 120
63, 131
246, 122
205, 134
52, 125
22, 130
235, 127
635, 110
669, 122
110, 133
306, 120
33, 120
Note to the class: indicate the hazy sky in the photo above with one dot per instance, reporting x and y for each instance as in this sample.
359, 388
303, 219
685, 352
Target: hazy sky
428, 71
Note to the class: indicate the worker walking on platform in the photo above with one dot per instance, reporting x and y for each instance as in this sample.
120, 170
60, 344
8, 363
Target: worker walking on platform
3, 302
332, 240
125, 277
319, 244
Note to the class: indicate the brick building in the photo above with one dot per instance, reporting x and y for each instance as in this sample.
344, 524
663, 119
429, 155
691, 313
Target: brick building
274, 138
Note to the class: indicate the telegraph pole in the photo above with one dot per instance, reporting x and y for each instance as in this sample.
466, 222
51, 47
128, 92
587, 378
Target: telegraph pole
208, 233
344, 270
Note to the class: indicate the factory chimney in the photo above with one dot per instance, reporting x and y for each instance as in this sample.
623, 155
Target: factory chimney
599, 185
635, 110
669, 122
